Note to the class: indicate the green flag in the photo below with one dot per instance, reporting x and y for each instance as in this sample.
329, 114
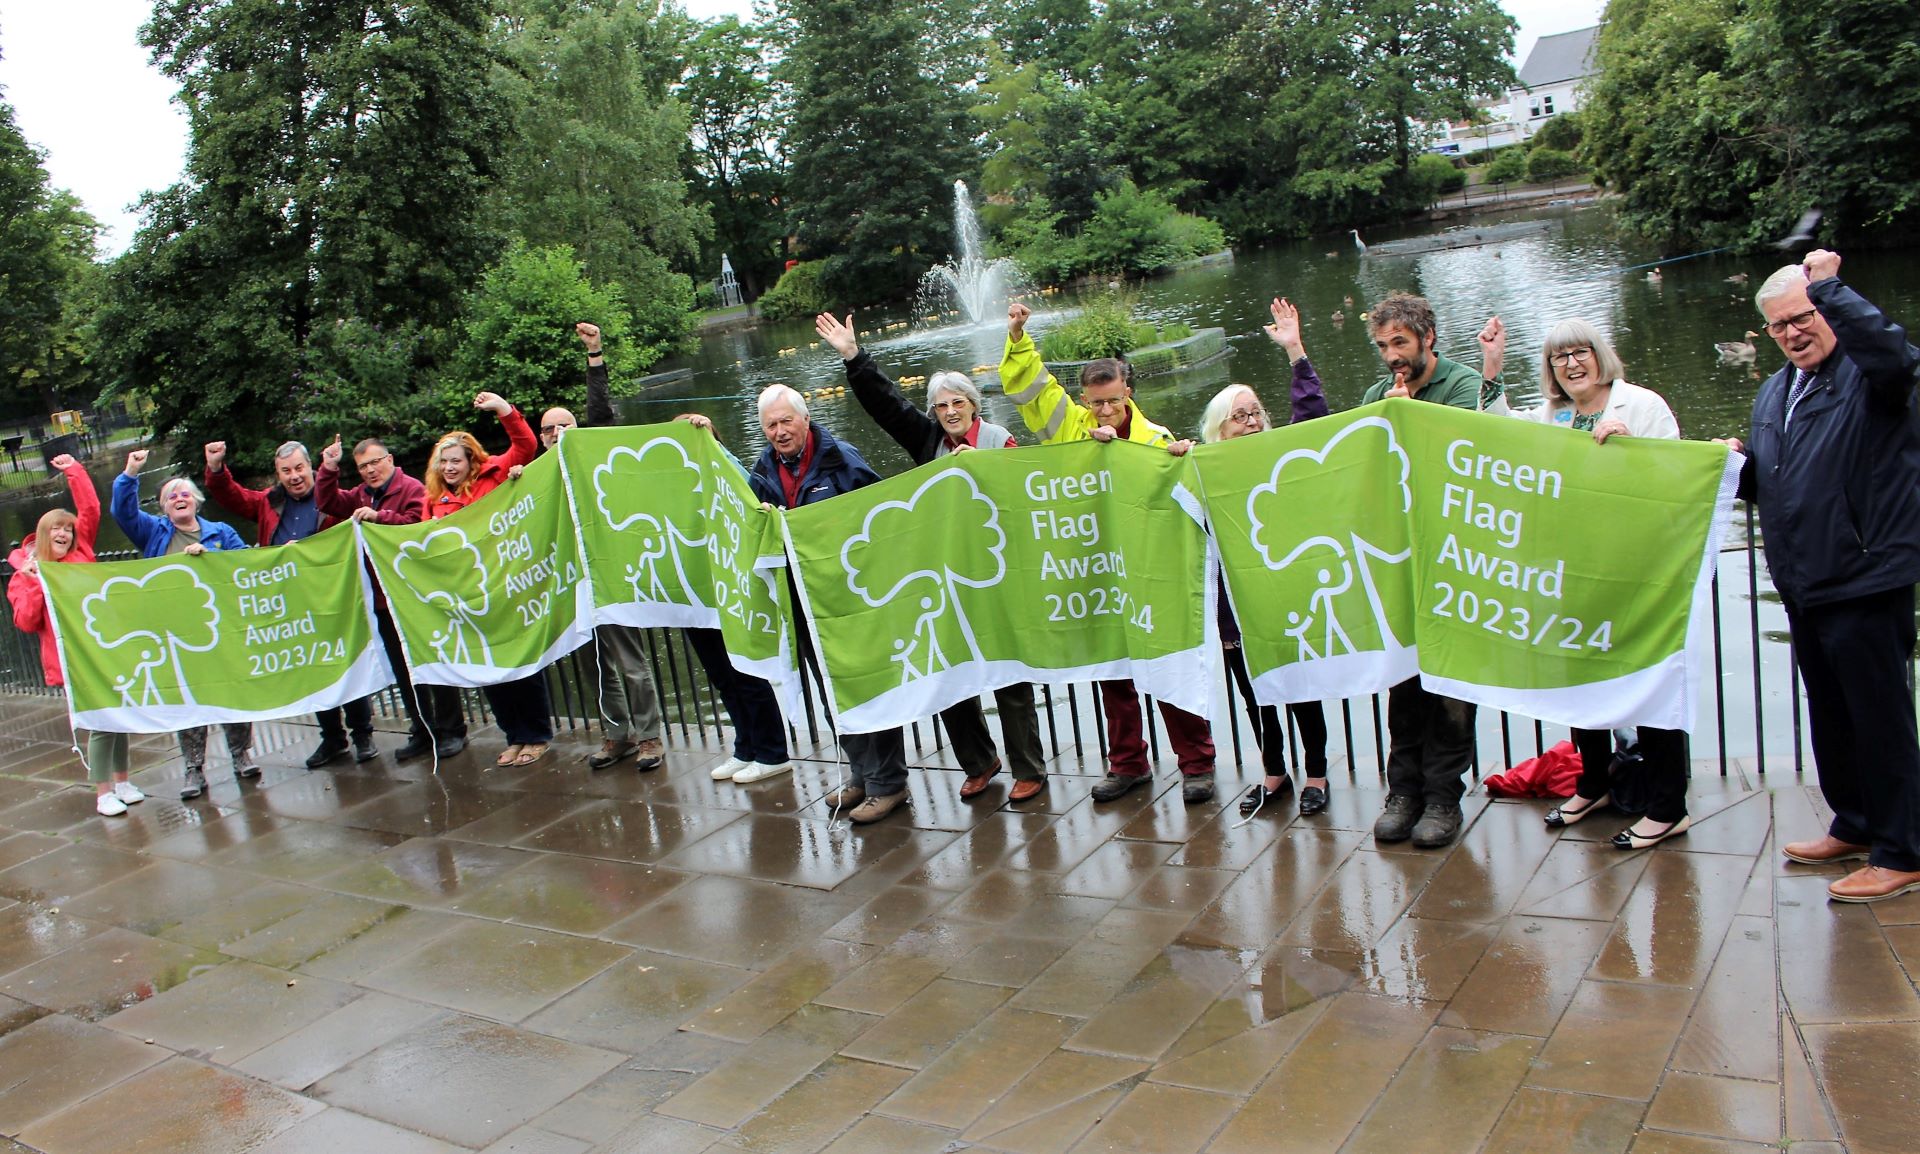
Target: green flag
248, 635
1058, 563
489, 593
1511, 564
670, 534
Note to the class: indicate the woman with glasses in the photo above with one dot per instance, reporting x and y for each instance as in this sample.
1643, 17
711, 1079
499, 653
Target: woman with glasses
1235, 411
1583, 384
461, 473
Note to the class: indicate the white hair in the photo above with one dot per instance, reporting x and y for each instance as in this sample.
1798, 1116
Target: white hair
1784, 280
167, 489
289, 449
1219, 408
952, 382
774, 394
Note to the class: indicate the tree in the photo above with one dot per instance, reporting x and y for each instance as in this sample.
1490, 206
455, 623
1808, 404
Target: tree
876, 143
735, 150
1510, 165
338, 158
595, 159
1545, 165
47, 244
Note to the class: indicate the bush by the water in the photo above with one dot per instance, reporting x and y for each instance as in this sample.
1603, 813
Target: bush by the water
1509, 166
1132, 232
799, 293
1106, 328
1548, 164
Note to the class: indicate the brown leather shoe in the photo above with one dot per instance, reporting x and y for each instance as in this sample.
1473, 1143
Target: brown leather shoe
1873, 883
1823, 849
1027, 790
846, 797
975, 786
876, 807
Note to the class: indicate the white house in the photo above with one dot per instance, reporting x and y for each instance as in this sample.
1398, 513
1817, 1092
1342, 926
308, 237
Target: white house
1552, 77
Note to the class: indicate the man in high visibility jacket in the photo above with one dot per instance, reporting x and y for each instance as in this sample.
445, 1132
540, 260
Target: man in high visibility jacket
1106, 413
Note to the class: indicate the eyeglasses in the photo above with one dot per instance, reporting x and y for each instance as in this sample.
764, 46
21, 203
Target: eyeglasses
1101, 405
1563, 359
1802, 321
955, 406
1253, 416
372, 462
550, 430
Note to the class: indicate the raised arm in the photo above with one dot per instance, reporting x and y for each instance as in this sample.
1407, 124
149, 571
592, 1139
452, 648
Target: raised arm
125, 503
1887, 360
599, 404
1024, 378
229, 493
523, 446
1308, 398
875, 391
327, 495
86, 499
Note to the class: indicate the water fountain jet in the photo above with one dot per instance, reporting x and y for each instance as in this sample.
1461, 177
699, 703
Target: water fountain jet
978, 287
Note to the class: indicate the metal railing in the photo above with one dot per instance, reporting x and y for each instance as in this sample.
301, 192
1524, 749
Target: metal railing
1073, 722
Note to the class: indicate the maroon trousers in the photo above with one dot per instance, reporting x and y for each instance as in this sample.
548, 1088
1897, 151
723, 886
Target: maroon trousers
1188, 733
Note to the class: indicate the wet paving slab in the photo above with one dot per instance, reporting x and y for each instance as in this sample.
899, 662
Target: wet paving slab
548, 959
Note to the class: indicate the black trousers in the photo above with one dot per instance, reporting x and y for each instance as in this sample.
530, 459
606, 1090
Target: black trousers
1665, 754
966, 724
1431, 744
402, 679
1853, 658
759, 734
1310, 717
522, 709
358, 715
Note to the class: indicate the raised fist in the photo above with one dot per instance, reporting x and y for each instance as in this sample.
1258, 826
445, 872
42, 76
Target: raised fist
1017, 315
216, 455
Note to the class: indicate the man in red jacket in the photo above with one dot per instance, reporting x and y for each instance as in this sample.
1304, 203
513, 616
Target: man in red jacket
388, 496
288, 512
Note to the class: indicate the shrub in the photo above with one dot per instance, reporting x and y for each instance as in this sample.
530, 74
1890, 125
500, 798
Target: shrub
1132, 231
1434, 176
1104, 328
1509, 166
1550, 164
1561, 132
1176, 332
799, 293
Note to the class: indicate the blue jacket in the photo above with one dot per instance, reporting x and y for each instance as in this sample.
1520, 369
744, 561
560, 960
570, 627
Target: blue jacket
150, 534
836, 468
1839, 489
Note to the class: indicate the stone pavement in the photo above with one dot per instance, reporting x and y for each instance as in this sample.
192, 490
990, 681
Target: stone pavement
549, 960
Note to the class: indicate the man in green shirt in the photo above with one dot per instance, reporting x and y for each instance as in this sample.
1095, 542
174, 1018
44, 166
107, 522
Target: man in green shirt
1431, 737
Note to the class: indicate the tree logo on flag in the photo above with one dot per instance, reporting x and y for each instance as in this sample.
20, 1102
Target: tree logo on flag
123, 621
631, 492
1345, 556
883, 566
445, 571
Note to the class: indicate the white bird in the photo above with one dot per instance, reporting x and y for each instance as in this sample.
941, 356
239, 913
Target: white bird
1357, 242
1802, 231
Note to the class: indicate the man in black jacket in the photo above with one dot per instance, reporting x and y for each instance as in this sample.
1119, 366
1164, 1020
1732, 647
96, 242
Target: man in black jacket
952, 424
1834, 466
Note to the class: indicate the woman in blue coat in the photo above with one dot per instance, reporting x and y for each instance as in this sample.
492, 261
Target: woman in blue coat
179, 528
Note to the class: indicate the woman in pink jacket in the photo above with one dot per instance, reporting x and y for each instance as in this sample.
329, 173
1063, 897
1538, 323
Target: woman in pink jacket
68, 537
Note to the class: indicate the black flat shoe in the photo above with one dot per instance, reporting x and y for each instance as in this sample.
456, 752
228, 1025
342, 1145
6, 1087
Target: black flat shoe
1561, 815
1627, 839
1313, 800
1260, 796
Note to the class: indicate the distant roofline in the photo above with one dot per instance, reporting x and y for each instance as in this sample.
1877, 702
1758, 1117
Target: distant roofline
1559, 58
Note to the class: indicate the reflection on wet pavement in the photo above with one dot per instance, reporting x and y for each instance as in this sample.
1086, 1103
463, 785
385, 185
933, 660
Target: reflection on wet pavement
380, 959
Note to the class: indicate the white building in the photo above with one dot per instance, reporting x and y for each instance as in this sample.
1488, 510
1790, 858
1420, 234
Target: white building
1551, 79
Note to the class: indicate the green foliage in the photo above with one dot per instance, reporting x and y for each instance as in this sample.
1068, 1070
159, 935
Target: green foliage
361, 379
594, 160
733, 154
1436, 176
801, 293
1103, 328
1132, 232
876, 142
47, 282
1720, 122
1549, 164
1562, 132
517, 339
339, 159
1508, 166
1176, 331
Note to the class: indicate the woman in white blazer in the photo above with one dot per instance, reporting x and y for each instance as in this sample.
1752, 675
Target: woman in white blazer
1582, 382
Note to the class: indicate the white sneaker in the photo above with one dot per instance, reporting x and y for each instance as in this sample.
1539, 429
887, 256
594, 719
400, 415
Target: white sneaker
761, 771
128, 792
109, 806
726, 769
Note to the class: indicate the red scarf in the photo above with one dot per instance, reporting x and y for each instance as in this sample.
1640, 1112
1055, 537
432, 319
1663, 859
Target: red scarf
790, 478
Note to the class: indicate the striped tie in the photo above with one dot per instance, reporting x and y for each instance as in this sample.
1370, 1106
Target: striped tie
1802, 385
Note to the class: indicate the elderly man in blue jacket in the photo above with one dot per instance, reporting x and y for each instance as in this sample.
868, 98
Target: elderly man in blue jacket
1834, 466
804, 463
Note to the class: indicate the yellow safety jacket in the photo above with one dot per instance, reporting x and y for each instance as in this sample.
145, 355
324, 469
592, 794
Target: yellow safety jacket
1049, 411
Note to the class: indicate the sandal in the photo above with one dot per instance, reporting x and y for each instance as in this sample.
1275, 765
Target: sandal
508, 755
1561, 815
531, 753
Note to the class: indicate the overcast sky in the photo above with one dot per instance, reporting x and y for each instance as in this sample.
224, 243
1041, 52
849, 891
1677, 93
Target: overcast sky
83, 90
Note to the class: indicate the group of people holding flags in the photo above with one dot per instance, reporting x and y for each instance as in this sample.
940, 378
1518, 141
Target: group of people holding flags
1833, 464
